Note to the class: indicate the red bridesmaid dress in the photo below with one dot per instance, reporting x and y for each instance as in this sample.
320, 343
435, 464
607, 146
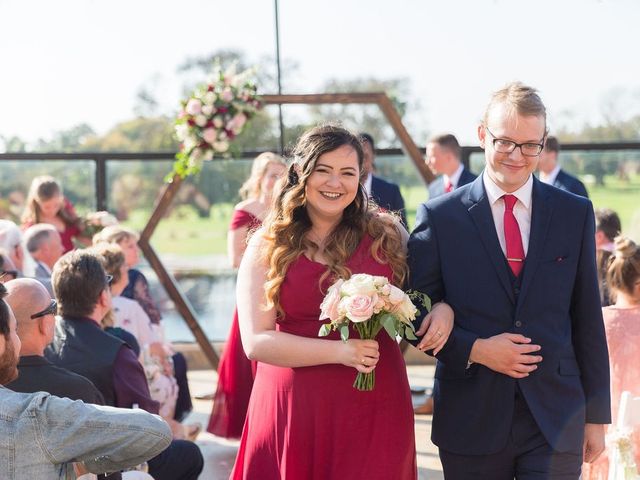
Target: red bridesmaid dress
235, 371
309, 422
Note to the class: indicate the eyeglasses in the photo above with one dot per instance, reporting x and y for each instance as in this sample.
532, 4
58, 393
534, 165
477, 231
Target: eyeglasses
507, 146
9, 273
52, 309
108, 280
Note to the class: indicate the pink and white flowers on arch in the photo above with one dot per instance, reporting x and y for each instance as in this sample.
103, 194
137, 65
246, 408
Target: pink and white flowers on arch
213, 116
369, 304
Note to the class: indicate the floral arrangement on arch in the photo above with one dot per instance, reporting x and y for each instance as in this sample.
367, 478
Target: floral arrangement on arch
213, 115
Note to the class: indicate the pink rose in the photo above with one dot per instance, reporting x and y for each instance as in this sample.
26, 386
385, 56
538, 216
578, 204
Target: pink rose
194, 107
209, 135
359, 308
329, 306
227, 95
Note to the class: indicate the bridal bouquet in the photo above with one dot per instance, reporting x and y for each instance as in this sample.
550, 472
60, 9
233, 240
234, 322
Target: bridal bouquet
213, 116
371, 304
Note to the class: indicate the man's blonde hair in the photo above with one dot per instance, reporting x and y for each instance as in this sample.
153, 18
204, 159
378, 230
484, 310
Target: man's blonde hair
519, 99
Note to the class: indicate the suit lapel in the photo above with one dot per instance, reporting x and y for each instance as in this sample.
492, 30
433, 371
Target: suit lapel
541, 211
480, 211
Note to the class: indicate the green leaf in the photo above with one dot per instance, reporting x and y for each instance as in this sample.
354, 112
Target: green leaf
409, 335
324, 330
344, 333
388, 321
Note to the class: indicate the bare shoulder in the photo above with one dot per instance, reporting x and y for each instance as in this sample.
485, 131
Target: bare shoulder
250, 205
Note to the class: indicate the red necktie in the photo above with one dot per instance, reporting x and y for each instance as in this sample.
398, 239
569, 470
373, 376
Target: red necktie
448, 186
512, 237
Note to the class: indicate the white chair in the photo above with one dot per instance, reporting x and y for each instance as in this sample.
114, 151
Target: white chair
622, 464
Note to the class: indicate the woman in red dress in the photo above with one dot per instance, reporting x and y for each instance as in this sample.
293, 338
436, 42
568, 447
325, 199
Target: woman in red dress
305, 419
46, 204
235, 371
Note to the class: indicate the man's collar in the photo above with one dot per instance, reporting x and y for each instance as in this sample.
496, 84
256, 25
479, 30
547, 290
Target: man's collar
455, 178
32, 360
494, 192
550, 178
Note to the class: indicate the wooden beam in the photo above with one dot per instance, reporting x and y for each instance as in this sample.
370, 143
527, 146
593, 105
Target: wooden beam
166, 279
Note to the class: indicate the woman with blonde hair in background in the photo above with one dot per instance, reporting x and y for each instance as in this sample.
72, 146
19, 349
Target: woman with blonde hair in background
137, 288
47, 204
235, 371
622, 325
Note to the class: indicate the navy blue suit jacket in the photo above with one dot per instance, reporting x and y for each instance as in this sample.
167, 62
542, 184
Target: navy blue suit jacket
387, 195
436, 188
565, 181
455, 256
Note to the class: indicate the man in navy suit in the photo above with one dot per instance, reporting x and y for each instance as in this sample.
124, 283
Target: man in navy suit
443, 157
386, 194
552, 174
522, 383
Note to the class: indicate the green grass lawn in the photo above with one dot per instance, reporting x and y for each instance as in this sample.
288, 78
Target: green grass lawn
184, 233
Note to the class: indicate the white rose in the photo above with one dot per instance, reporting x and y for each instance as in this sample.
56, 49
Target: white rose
181, 131
218, 122
201, 120
221, 146
209, 98
208, 155
406, 310
207, 110
360, 284
395, 295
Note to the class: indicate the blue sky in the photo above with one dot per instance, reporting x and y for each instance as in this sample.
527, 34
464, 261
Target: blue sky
70, 61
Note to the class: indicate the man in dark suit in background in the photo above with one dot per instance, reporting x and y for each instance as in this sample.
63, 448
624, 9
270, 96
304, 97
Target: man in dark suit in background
386, 194
522, 383
552, 174
443, 157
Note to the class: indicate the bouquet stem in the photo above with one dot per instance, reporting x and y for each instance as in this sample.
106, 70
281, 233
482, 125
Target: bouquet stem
365, 382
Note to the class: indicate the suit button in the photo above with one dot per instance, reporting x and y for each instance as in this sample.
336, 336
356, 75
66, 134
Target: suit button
518, 323
516, 291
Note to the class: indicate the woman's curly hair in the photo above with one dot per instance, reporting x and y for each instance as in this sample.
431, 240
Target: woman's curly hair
287, 225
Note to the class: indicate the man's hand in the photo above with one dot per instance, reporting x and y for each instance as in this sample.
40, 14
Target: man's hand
506, 353
593, 442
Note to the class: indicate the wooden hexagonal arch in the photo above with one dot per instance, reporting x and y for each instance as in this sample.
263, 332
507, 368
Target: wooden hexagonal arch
169, 191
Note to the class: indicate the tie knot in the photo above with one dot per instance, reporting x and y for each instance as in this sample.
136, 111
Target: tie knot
509, 201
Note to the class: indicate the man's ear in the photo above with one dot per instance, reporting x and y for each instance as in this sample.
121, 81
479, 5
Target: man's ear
103, 299
481, 135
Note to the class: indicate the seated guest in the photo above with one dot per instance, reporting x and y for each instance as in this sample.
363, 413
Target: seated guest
608, 227
129, 315
8, 270
44, 245
622, 324
11, 241
552, 174
35, 316
138, 289
80, 345
49, 433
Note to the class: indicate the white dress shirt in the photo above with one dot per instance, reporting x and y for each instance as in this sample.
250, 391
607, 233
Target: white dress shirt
551, 177
367, 184
455, 178
521, 209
